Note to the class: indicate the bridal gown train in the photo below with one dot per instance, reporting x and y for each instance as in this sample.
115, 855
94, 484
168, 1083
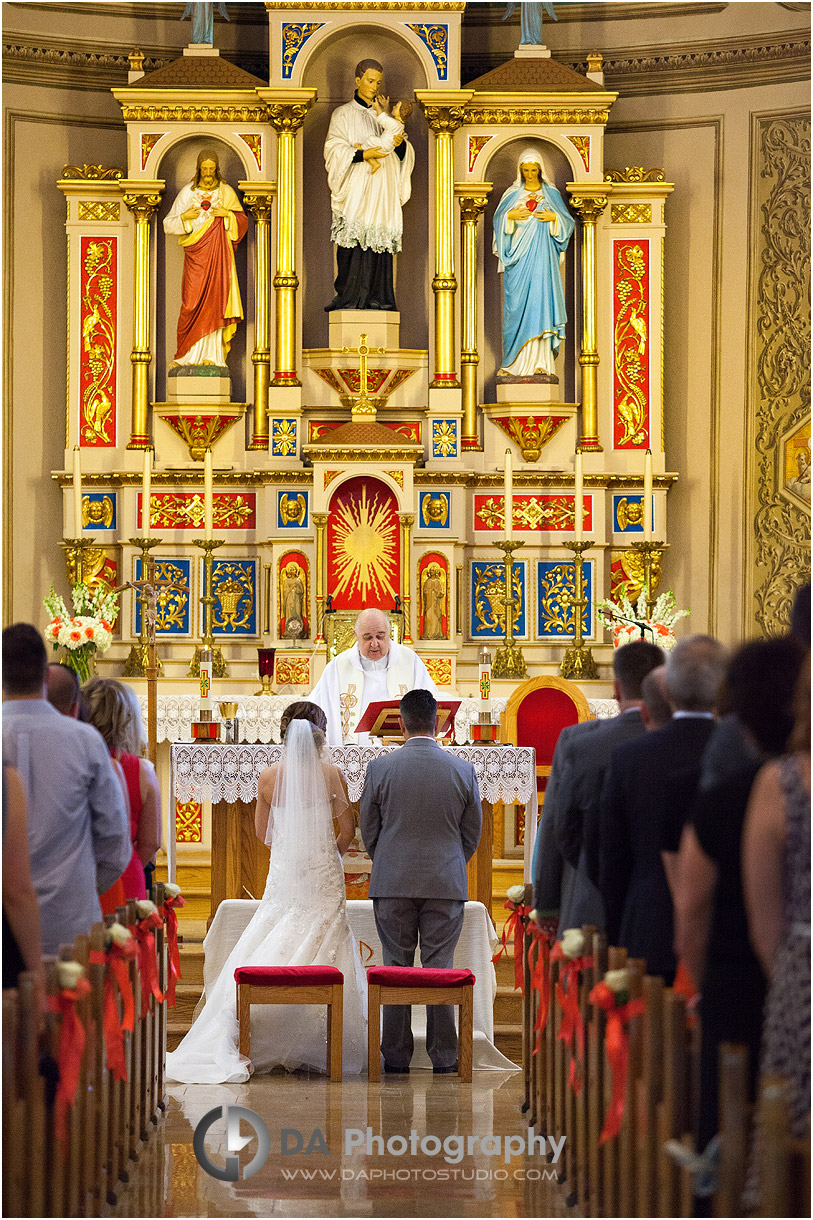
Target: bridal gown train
301, 921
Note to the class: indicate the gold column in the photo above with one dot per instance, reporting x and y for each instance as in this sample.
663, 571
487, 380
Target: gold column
286, 118
320, 521
472, 199
589, 208
142, 199
258, 197
407, 522
444, 121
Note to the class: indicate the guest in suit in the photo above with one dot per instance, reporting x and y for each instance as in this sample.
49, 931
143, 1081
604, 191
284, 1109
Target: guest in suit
642, 777
421, 819
582, 755
656, 706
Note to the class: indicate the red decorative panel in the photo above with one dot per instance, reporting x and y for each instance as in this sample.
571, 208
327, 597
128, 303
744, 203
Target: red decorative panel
631, 344
97, 355
363, 545
293, 589
582, 144
476, 146
433, 597
546, 513
185, 510
148, 143
255, 143
321, 427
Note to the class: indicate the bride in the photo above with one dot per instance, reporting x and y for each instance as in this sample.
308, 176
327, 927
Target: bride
301, 921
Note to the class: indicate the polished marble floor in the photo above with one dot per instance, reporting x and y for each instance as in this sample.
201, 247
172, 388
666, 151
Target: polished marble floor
472, 1166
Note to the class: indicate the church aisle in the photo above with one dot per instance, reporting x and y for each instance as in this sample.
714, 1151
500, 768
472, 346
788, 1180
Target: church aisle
333, 1181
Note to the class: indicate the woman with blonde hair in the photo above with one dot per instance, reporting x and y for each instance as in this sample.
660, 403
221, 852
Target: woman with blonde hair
113, 709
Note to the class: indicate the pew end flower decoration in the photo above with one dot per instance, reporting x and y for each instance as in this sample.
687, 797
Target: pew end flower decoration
627, 622
87, 631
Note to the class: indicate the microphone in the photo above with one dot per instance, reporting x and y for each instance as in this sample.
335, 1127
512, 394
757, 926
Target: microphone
329, 609
398, 609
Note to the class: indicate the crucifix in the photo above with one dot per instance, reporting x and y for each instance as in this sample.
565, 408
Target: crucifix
362, 405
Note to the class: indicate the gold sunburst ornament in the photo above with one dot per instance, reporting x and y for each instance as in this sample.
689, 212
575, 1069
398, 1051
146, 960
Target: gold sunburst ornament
366, 550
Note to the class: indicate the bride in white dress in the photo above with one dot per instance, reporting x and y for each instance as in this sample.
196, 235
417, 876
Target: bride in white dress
301, 921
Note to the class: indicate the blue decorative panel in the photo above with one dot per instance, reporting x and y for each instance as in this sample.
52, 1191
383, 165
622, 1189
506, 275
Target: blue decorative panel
293, 510
628, 514
99, 510
487, 618
294, 37
174, 616
445, 438
555, 589
234, 587
435, 510
436, 39
283, 437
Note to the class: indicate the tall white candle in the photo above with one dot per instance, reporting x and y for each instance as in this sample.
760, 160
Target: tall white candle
484, 673
508, 509
579, 497
146, 488
648, 496
206, 700
77, 493
207, 495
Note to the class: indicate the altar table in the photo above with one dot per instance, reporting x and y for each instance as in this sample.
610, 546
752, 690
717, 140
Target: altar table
227, 776
476, 947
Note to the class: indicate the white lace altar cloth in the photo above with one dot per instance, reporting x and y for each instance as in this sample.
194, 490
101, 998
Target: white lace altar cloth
230, 773
474, 950
260, 716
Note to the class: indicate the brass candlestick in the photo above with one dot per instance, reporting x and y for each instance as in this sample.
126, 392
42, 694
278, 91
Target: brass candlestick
138, 662
75, 557
578, 660
651, 554
509, 661
207, 545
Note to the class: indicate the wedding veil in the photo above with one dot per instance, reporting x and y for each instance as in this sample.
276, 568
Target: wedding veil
300, 826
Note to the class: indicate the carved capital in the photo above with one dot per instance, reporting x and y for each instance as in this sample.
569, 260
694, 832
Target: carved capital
472, 207
320, 520
634, 173
259, 203
287, 116
143, 205
92, 173
407, 520
444, 120
589, 207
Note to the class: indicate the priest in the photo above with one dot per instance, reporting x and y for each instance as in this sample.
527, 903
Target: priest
373, 670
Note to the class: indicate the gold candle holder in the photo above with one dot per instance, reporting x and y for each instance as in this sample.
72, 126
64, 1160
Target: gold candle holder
138, 662
208, 545
75, 557
578, 661
509, 661
651, 554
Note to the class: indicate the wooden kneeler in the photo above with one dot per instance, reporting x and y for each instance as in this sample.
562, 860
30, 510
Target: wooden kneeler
293, 985
415, 985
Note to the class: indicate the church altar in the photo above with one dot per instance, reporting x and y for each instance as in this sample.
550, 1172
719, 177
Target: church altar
477, 944
227, 776
260, 715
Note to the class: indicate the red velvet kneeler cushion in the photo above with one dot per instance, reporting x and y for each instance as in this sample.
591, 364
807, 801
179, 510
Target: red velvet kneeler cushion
416, 976
288, 976
541, 717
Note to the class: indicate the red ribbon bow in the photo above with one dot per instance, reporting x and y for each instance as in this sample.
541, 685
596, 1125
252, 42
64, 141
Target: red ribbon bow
143, 932
514, 925
113, 1028
567, 995
617, 1044
173, 954
540, 978
71, 1048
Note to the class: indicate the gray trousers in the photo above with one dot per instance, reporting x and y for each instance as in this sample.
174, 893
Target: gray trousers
438, 923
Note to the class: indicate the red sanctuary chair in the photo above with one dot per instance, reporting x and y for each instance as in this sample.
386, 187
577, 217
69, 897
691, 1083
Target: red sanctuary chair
537, 712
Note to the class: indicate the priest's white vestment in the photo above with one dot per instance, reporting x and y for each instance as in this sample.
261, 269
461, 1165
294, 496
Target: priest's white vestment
351, 682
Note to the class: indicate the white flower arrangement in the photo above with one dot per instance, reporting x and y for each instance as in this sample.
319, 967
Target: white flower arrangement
89, 629
117, 934
69, 974
628, 622
516, 894
573, 942
145, 908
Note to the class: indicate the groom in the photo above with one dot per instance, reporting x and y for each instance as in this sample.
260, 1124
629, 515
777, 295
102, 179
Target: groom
421, 819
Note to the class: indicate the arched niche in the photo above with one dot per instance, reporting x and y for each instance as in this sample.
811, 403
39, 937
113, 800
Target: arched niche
177, 168
331, 71
363, 545
501, 169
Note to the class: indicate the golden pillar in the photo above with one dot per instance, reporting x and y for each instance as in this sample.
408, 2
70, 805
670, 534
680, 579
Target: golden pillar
320, 521
472, 199
407, 522
444, 120
258, 197
589, 208
142, 199
286, 117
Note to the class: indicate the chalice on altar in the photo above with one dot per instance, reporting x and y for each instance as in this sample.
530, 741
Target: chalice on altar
228, 711
265, 662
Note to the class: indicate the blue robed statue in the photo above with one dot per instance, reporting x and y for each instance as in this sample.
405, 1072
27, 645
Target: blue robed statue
532, 228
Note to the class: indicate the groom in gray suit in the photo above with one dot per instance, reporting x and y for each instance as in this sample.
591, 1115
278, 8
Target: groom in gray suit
421, 819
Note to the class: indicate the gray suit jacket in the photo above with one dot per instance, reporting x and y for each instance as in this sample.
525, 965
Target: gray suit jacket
421, 819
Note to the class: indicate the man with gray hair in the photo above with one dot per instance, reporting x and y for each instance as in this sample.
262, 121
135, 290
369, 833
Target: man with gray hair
640, 784
375, 669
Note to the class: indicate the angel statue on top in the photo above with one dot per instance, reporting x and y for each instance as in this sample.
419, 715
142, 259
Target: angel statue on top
532, 229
